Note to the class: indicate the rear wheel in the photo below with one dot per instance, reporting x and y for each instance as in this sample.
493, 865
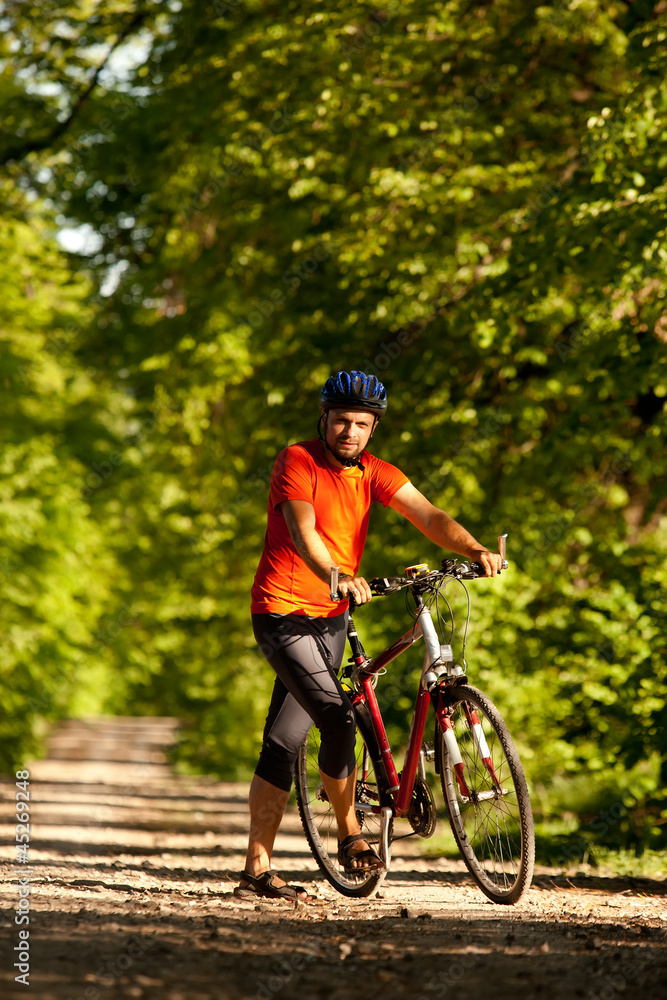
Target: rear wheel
488, 804
319, 823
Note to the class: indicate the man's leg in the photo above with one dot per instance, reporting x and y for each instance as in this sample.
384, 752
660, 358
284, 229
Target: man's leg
340, 792
267, 806
269, 789
306, 689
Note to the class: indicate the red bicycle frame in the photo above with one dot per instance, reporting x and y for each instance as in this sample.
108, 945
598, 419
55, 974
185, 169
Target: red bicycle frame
373, 729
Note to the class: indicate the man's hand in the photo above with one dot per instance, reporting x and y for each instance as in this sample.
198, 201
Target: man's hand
491, 561
440, 528
357, 587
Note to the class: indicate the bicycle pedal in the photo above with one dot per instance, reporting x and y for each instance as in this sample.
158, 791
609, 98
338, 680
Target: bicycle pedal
321, 794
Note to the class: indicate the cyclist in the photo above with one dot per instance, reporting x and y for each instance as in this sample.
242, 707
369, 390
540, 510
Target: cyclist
320, 495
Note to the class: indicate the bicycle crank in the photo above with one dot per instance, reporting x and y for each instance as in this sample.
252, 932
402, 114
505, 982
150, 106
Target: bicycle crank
422, 814
386, 827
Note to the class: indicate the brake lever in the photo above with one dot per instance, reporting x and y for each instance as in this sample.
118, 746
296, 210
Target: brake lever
469, 571
380, 586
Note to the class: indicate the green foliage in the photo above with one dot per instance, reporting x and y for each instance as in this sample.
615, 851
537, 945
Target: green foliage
468, 200
55, 565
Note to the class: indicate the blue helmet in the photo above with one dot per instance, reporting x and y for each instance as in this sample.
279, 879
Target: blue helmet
354, 391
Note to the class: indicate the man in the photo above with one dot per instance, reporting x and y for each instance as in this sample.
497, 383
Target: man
321, 493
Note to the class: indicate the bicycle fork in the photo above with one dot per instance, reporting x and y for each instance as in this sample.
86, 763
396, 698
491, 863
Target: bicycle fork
478, 736
452, 745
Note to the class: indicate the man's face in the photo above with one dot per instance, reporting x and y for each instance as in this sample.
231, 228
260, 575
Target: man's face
347, 432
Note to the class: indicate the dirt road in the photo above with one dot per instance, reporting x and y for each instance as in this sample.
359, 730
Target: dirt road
131, 874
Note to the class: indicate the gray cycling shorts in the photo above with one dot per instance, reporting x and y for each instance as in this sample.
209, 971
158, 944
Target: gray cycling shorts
306, 654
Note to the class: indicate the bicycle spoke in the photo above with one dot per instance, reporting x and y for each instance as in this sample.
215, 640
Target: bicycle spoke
493, 828
319, 822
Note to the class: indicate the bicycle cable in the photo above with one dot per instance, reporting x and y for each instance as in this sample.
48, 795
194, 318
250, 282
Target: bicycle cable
465, 632
408, 609
439, 617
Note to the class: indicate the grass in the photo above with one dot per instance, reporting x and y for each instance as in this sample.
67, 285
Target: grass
561, 845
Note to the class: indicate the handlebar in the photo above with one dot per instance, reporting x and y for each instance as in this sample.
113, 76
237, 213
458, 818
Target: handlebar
451, 568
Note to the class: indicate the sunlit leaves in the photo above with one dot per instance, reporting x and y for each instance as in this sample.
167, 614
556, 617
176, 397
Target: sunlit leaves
467, 200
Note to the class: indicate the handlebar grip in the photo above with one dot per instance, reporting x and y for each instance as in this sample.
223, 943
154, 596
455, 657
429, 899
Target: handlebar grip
338, 597
469, 571
478, 569
333, 584
382, 585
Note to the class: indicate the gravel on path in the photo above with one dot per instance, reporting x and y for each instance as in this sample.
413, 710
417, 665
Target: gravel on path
131, 873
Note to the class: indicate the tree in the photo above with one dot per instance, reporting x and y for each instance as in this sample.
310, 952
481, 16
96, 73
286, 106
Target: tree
55, 563
461, 198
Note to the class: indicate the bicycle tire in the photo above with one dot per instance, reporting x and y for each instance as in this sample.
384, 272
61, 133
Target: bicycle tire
494, 834
319, 823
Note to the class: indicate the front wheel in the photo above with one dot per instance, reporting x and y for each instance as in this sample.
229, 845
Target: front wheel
487, 797
319, 823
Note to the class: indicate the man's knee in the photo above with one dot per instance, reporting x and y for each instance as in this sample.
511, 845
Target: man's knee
276, 764
337, 723
337, 750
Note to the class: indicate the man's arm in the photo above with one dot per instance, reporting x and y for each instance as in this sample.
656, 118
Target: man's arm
300, 519
441, 528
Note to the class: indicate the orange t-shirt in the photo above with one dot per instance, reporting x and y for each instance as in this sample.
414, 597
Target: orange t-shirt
342, 499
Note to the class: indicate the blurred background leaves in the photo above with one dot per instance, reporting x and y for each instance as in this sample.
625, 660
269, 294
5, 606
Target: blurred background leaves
207, 208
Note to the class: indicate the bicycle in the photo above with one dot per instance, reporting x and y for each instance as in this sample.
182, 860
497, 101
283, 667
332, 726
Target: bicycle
481, 777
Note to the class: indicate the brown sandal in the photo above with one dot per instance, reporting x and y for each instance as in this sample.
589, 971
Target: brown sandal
263, 886
371, 860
